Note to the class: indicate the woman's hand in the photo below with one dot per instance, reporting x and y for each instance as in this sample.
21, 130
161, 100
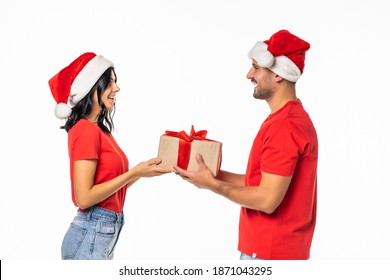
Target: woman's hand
150, 168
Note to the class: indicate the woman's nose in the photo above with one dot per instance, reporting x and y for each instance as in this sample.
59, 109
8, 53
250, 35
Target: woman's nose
116, 88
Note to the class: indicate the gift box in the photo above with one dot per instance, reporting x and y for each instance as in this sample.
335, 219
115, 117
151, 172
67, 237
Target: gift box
180, 148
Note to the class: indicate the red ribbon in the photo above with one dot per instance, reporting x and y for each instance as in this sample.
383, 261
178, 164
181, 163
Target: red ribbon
185, 144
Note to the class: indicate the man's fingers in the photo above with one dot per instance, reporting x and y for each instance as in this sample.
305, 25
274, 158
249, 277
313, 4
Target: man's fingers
181, 172
199, 159
177, 169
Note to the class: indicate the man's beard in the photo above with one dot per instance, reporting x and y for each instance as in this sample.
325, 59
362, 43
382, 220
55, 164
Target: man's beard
262, 93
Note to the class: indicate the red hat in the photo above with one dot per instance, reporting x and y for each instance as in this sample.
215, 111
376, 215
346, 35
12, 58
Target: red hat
283, 54
73, 83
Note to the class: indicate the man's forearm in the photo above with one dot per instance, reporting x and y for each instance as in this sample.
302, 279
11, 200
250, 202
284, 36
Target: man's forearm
232, 178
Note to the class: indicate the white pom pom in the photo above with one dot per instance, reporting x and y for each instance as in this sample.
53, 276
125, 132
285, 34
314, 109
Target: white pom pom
266, 59
62, 111
262, 55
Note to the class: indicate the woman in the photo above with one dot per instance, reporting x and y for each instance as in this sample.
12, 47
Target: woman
99, 169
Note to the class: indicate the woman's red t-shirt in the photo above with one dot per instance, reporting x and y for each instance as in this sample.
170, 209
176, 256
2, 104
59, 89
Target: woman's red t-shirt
87, 141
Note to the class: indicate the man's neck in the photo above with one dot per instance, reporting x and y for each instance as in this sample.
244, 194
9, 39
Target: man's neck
280, 98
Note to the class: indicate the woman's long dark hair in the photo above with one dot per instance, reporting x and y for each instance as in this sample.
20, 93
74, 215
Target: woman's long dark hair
84, 107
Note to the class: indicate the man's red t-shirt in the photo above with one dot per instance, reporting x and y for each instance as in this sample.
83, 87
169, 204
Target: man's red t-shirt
87, 141
285, 145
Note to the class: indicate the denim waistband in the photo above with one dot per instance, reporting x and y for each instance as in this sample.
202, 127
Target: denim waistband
101, 213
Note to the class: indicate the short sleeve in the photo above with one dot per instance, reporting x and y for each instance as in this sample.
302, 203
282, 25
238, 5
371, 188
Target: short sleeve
84, 142
280, 151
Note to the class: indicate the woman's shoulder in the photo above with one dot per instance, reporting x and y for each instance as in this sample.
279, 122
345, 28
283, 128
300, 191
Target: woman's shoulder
84, 126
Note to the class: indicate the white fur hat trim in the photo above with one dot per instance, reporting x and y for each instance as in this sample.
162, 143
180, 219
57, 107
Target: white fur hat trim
280, 65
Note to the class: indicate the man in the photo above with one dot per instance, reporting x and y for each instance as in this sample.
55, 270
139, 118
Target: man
278, 193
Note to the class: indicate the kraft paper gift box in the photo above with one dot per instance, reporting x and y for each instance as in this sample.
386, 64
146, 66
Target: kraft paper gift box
179, 148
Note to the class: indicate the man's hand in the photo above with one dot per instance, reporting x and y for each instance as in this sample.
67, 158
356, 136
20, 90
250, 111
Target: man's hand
202, 177
266, 197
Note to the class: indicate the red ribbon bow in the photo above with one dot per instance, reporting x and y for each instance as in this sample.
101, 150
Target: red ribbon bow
198, 135
185, 144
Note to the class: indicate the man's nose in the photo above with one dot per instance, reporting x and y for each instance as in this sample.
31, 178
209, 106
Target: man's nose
250, 74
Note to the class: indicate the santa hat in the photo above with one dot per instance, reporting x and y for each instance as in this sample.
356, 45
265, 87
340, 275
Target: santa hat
283, 54
73, 83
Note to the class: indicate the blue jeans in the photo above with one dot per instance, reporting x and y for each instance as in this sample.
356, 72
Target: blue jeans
92, 235
246, 257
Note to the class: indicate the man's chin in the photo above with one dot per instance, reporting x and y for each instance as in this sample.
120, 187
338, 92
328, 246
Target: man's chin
258, 96
263, 95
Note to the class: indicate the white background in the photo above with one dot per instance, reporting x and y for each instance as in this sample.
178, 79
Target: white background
181, 63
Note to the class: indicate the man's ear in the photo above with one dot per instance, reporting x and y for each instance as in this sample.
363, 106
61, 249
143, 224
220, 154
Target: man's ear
277, 78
